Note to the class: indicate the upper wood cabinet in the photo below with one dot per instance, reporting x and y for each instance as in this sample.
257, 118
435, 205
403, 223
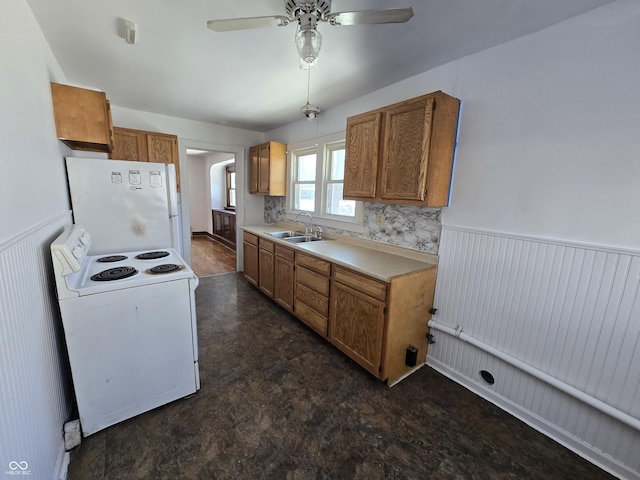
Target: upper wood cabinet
402, 153
143, 146
268, 169
83, 118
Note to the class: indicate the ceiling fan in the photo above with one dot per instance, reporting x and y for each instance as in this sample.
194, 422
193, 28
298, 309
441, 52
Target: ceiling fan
307, 14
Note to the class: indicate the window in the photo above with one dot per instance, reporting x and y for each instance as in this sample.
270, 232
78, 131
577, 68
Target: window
334, 183
304, 181
317, 180
231, 186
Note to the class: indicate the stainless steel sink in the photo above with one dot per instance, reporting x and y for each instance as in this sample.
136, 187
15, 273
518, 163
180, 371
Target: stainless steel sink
286, 234
302, 238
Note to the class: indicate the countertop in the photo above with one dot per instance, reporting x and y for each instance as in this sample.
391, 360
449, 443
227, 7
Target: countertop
351, 253
224, 210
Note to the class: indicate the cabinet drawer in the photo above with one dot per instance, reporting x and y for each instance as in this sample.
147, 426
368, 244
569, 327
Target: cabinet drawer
312, 299
311, 279
311, 318
320, 266
267, 245
250, 238
362, 283
284, 252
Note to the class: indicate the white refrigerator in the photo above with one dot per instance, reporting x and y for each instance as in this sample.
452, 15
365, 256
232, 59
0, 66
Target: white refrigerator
125, 206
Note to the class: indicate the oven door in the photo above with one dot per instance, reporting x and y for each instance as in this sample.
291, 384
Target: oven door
130, 351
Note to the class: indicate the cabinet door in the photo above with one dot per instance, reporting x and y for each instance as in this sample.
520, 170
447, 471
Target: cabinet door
405, 151
283, 283
361, 156
128, 145
250, 256
254, 153
232, 230
82, 117
266, 272
164, 149
263, 168
217, 223
357, 326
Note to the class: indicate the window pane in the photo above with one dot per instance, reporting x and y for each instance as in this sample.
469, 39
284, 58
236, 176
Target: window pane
305, 197
232, 198
337, 164
306, 168
335, 203
232, 179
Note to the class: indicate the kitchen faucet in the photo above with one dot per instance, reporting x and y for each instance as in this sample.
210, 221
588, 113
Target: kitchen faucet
308, 229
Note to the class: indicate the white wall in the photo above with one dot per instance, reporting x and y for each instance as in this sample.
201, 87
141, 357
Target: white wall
548, 136
206, 187
35, 394
547, 153
218, 177
199, 198
33, 182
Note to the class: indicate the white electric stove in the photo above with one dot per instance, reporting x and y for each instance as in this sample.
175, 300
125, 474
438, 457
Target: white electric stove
130, 326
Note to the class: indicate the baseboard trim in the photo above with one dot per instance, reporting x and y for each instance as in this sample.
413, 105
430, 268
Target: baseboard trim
62, 467
206, 234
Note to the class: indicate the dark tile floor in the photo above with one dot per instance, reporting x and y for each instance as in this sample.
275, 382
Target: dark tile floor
278, 402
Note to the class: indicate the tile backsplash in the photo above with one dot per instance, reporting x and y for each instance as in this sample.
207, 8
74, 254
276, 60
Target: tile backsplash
404, 226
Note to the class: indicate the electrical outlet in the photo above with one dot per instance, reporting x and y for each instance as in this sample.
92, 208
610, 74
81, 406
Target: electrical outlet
380, 219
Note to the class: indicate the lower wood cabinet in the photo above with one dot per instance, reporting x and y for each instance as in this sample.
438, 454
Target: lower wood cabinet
224, 227
250, 257
312, 292
284, 277
374, 322
358, 320
266, 266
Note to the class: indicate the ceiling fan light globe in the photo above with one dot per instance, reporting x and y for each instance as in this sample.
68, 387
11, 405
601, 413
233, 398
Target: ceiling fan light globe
308, 43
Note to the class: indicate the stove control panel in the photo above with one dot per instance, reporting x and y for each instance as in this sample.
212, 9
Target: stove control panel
70, 249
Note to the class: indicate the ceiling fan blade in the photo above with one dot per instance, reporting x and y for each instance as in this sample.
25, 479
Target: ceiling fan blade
362, 17
230, 24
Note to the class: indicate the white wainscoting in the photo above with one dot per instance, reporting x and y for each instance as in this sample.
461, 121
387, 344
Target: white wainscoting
571, 311
35, 393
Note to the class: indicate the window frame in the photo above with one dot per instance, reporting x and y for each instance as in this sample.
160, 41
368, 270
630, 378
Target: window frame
228, 170
322, 146
293, 180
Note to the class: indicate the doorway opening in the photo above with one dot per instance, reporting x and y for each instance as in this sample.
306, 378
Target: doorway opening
212, 212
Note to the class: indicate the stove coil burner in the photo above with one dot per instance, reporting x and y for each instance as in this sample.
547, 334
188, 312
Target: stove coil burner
152, 255
165, 268
112, 258
117, 273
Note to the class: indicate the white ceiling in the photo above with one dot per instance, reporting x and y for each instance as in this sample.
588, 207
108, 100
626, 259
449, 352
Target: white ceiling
251, 79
